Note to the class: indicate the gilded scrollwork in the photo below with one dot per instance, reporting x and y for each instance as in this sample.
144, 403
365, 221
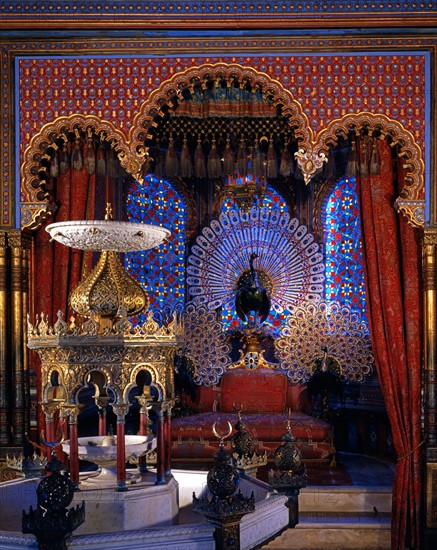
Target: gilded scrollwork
34, 209
75, 354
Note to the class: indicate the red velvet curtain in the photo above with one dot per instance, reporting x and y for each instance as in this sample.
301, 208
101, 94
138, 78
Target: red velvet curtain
392, 271
58, 268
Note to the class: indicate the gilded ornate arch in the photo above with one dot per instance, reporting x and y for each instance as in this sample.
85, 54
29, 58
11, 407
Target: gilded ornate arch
35, 202
411, 201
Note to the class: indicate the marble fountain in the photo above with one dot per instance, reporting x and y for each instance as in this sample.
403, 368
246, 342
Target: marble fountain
146, 516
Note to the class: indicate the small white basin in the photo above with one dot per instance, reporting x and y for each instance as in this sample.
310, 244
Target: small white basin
102, 450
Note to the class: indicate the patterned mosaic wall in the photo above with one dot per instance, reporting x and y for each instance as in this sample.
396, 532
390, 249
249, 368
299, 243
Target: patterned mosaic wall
327, 86
161, 270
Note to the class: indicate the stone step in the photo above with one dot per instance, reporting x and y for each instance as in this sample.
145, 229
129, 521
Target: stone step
335, 531
346, 499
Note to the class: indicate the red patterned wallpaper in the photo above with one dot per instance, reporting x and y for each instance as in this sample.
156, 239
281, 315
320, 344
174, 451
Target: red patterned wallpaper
327, 86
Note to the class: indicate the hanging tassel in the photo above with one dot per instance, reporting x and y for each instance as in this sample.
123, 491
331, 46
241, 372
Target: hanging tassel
54, 165
375, 158
286, 164
199, 161
64, 160
364, 156
159, 163
272, 170
101, 161
257, 167
186, 162
89, 156
242, 159
329, 166
214, 164
171, 160
352, 162
112, 164
76, 157
228, 159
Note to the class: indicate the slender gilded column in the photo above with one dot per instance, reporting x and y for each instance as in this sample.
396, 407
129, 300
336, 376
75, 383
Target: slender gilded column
19, 366
429, 255
429, 250
25, 251
121, 412
4, 385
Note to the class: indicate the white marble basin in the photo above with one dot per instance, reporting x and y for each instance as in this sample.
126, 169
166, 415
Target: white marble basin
108, 235
102, 450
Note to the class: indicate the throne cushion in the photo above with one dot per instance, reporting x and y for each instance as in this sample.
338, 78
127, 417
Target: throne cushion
257, 391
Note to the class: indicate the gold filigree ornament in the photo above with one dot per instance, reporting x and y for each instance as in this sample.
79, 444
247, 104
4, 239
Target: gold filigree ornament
313, 326
108, 290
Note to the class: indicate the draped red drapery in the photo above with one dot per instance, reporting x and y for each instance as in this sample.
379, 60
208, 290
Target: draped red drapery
392, 272
58, 268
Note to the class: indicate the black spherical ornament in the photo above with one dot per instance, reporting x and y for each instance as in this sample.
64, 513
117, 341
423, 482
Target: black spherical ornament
242, 442
222, 480
55, 492
287, 457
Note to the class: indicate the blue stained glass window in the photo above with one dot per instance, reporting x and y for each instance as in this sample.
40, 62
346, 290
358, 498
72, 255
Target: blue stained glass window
344, 260
161, 270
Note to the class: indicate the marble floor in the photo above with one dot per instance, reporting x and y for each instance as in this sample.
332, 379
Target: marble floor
344, 516
366, 470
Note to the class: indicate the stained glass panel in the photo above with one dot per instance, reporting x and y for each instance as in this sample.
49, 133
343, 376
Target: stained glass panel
344, 259
160, 271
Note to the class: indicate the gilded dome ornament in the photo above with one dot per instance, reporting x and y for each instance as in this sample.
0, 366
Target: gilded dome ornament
108, 292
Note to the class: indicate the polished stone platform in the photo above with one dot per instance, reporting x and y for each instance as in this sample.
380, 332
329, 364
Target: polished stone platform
333, 516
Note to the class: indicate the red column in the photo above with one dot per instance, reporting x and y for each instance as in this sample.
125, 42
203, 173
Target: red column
143, 422
50, 408
160, 444
167, 438
63, 426
102, 403
50, 435
74, 451
121, 458
121, 411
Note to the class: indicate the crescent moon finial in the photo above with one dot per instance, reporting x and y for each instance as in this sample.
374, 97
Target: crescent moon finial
222, 437
52, 444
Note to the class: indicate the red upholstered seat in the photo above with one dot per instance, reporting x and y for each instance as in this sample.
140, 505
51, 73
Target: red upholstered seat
260, 391
265, 397
265, 427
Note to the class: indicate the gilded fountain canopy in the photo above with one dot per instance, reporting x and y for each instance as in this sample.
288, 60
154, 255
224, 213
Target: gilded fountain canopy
108, 290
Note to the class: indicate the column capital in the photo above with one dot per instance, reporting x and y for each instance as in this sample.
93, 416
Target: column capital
121, 410
429, 236
145, 402
19, 239
50, 408
72, 410
102, 402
